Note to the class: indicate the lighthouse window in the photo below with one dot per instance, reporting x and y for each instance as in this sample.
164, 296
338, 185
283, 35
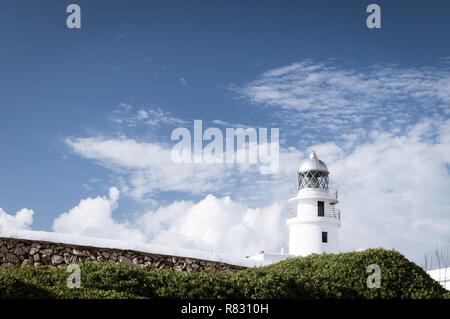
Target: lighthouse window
320, 209
313, 179
324, 237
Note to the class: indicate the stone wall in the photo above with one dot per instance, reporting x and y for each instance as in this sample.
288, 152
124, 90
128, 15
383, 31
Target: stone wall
36, 253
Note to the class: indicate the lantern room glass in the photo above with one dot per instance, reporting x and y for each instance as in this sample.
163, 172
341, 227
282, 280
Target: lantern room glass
313, 179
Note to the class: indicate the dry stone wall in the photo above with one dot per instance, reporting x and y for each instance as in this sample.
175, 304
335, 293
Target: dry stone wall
30, 253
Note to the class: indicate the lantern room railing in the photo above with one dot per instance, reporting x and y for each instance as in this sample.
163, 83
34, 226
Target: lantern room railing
293, 192
333, 212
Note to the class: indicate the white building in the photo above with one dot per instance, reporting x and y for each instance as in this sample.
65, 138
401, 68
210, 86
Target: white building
313, 228
442, 276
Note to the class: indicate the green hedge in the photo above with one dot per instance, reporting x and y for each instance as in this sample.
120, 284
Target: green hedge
315, 276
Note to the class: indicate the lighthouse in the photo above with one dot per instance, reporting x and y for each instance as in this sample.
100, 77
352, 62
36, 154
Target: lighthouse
314, 227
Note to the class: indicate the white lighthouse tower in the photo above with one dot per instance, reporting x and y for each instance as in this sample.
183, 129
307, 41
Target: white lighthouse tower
314, 228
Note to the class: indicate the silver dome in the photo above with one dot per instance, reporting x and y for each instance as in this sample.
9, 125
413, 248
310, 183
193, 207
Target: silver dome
313, 164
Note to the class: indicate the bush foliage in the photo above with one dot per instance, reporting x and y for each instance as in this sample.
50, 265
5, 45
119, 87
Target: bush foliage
315, 276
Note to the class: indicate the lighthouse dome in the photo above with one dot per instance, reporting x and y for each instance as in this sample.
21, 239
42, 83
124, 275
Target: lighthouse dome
313, 164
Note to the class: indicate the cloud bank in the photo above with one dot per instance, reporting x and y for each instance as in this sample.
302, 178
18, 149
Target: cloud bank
213, 224
21, 220
93, 217
393, 190
326, 100
383, 131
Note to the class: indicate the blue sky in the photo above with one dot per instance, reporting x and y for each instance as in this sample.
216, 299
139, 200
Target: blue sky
70, 103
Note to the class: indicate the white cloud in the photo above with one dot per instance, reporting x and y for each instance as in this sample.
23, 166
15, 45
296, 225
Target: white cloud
118, 39
157, 116
228, 124
217, 224
124, 106
152, 116
93, 217
322, 97
149, 168
141, 115
21, 220
213, 224
182, 81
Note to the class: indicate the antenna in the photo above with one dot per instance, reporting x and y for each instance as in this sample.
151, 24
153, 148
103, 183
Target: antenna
313, 151
313, 144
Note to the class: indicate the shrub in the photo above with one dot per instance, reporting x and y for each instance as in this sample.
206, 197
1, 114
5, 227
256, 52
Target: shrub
315, 276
